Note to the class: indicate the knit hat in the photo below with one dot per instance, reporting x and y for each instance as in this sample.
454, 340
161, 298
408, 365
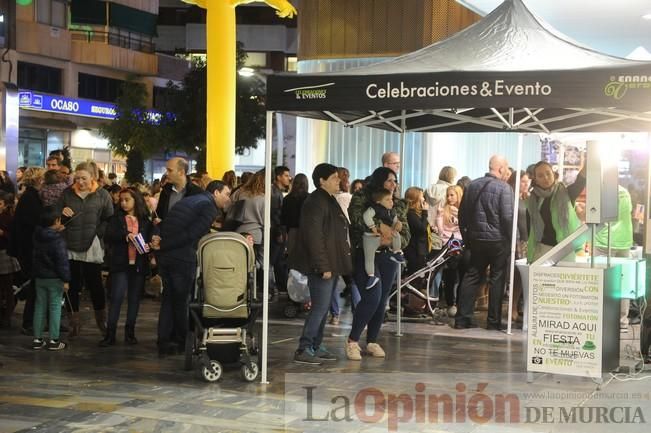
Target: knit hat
322, 171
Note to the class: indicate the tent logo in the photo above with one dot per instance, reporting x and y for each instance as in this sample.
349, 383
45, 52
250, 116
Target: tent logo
311, 92
617, 87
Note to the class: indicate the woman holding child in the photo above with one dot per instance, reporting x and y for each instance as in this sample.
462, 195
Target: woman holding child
369, 312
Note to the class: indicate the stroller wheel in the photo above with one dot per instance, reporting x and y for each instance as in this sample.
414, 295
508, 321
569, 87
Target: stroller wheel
291, 311
250, 374
189, 350
214, 373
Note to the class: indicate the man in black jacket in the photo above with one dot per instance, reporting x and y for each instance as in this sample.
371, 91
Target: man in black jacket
177, 187
180, 231
486, 220
278, 230
322, 253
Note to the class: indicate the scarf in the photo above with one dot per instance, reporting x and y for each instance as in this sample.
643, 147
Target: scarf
451, 214
132, 227
560, 202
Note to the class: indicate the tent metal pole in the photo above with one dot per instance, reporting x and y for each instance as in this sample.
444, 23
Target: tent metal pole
401, 181
280, 143
514, 229
267, 245
402, 153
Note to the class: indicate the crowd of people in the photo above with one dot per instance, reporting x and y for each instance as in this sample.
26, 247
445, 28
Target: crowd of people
62, 229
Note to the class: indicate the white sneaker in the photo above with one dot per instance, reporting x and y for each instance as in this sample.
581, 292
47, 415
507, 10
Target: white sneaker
375, 350
353, 351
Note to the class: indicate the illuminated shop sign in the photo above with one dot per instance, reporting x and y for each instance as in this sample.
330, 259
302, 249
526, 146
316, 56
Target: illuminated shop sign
29, 100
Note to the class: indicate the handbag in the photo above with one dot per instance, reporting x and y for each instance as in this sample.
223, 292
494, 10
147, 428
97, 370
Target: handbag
434, 241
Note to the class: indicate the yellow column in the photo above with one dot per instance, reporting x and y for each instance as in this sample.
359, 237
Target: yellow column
220, 116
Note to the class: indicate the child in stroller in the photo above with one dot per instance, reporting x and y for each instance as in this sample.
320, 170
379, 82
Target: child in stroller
223, 308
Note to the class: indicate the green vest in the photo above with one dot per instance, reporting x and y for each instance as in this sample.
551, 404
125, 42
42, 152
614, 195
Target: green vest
573, 223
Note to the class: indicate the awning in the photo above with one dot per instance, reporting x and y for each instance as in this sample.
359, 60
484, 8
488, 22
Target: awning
132, 19
507, 72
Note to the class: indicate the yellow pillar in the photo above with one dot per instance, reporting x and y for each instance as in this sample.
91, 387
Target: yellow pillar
221, 51
220, 116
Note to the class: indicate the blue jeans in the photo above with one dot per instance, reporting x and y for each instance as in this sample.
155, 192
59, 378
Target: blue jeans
335, 307
131, 283
49, 293
320, 293
178, 282
369, 312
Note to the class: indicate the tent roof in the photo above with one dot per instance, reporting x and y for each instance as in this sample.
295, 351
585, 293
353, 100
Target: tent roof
510, 38
509, 71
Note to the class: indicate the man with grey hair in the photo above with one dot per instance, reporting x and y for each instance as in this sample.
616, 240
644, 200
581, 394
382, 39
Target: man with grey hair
178, 186
485, 220
392, 161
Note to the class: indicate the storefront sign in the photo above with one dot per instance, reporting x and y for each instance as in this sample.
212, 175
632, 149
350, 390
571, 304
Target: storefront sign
29, 100
565, 321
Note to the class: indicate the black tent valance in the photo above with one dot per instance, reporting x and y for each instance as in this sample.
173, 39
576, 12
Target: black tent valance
132, 19
88, 12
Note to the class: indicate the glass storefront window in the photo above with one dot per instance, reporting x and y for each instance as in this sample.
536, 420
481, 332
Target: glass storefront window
78, 155
31, 147
57, 140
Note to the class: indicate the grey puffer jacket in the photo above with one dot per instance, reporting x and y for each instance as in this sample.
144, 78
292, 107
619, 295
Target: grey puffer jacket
90, 217
486, 211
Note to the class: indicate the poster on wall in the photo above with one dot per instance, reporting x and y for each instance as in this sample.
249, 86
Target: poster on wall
565, 321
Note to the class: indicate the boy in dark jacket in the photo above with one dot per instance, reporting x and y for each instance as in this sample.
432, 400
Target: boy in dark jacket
51, 274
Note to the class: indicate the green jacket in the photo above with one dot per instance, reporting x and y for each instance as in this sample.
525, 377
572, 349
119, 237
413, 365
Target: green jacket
573, 223
358, 204
621, 231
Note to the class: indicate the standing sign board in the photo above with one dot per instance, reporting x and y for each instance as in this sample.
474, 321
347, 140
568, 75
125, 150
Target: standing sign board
571, 313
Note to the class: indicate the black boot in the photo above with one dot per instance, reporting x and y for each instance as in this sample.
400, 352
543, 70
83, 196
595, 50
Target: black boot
130, 335
109, 338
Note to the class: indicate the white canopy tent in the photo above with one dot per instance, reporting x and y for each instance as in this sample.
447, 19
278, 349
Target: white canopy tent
507, 72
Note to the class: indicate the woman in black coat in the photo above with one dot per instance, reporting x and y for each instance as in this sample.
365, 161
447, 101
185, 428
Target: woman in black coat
127, 266
21, 245
291, 210
417, 249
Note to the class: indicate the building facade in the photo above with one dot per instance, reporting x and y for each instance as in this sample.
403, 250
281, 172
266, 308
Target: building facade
270, 44
68, 60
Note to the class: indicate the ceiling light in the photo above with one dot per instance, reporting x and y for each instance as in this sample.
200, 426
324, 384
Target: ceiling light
647, 17
246, 72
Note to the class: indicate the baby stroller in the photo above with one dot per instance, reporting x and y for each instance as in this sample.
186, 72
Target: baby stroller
223, 308
453, 247
299, 294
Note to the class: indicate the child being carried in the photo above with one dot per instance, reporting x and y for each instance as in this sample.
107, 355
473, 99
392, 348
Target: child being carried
379, 212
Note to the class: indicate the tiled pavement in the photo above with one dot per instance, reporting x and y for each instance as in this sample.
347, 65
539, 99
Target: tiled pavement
129, 389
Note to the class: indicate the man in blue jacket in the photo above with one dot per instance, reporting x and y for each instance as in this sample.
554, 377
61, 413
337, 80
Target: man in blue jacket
486, 220
188, 221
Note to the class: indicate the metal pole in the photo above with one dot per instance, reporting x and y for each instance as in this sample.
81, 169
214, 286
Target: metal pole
400, 191
266, 241
280, 133
399, 304
402, 154
514, 229
592, 237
